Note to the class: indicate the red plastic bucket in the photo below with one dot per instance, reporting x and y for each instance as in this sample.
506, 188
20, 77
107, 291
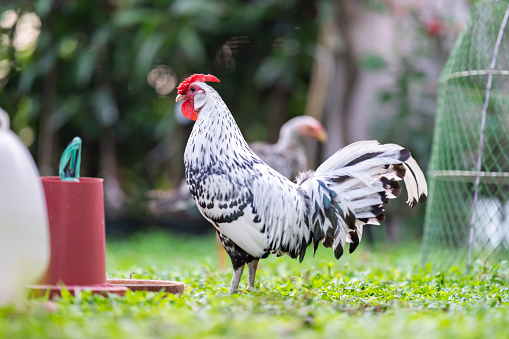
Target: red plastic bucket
76, 219
77, 236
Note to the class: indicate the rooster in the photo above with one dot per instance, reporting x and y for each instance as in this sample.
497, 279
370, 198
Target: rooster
287, 156
256, 211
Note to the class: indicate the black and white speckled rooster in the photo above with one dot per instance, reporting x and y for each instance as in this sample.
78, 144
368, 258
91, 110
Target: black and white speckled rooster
257, 211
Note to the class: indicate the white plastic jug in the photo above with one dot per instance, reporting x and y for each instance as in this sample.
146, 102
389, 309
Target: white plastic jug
24, 234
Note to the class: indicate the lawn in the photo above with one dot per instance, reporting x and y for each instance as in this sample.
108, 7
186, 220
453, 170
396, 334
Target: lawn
375, 292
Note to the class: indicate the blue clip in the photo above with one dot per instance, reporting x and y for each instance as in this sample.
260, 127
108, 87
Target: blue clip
71, 156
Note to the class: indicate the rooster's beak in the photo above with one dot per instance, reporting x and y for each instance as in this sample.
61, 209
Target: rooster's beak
322, 136
180, 97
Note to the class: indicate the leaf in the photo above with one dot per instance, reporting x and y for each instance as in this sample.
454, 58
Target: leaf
269, 72
190, 42
101, 36
145, 58
26, 79
137, 16
85, 67
68, 109
105, 106
373, 62
43, 7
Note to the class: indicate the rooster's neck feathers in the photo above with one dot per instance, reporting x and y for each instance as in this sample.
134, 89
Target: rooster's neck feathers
215, 138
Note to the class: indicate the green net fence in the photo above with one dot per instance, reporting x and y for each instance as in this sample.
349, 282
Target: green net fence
467, 217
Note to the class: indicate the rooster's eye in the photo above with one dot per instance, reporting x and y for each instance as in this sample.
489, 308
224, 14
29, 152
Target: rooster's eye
193, 89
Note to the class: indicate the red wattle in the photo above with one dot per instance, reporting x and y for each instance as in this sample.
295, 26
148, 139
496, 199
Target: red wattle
188, 110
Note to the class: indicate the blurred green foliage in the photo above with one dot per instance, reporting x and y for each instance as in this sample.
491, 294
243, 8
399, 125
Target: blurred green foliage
97, 66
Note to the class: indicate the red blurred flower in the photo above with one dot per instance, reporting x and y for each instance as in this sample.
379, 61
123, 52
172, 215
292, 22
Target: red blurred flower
434, 27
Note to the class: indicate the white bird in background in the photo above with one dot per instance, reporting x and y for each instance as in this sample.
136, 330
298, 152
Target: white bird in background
257, 211
287, 156
24, 235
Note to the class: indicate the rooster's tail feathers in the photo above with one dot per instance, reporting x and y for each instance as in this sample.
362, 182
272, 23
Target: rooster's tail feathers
415, 183
352, 188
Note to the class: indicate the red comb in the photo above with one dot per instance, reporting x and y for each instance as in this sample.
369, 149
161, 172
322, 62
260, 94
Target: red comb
193, 78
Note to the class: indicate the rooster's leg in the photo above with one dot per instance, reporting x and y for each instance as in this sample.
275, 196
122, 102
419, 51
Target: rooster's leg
252, 266
237, 274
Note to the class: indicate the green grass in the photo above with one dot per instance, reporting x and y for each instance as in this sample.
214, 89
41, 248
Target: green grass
382, 292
